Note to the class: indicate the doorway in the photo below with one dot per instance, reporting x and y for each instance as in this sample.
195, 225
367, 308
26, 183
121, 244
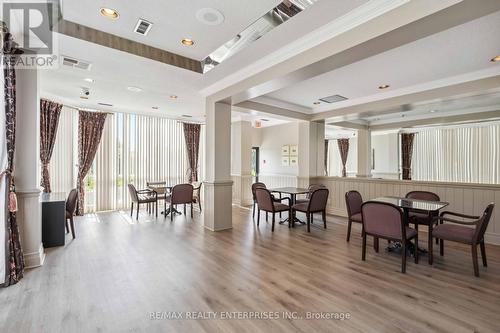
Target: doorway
255, 164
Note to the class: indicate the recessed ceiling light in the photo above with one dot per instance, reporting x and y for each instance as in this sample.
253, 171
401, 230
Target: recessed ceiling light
187, 42
317, 103
109, 13
155, 107
384, 86
173, 96
495, 59
89, 80
432, 111
134, 89
209, 16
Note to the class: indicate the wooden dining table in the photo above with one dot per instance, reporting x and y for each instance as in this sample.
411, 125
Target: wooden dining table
413, 205
165, 189
292, 192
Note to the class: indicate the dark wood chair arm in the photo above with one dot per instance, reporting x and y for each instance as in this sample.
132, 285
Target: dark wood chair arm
148, 192
446, 219
471, 217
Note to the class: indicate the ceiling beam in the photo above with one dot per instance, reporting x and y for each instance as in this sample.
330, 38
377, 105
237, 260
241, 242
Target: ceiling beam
394, 104
478, 116
95, 36
250, 105
349, 125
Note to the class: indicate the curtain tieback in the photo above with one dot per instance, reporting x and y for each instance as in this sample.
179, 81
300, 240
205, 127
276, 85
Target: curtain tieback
12, 203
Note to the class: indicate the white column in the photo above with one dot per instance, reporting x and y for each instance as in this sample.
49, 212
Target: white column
26, 163
311, 151
218, 184
364, 153
241, 155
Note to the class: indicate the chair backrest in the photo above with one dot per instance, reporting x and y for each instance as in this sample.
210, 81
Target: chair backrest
312, 188
483, 222
383, 219
318, 200
423, 195
353, 202
256, 186
182, 194
162, 186
71, 201
264, 199
196, 189
133, 193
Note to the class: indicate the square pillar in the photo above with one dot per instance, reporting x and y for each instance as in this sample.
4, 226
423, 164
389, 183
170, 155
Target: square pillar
218, 184
364, 153
311, 151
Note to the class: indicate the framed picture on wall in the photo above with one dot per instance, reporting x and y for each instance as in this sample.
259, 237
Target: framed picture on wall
285, 161
294, 150
294, 160
285, 150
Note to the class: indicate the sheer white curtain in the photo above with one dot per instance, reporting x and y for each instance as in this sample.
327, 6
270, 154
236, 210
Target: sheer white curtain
134, 149
458, 154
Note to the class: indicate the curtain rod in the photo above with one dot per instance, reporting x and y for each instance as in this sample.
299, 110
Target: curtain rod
190, 122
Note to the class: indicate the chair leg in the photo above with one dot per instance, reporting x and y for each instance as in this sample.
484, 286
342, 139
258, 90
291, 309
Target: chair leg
431, 251
290, 217
483, 253
416, 249
132, 210
349, 223
67, 227
137, 213
267, 216
191, 210
308, 222
72, 226
403, 259
272, 228
375, 244
429, 244
156, 208
312, 218
199, 204
474, 260
441, 247
363, 248
184, 209
323, 215
258, 217
253, 210
171, 212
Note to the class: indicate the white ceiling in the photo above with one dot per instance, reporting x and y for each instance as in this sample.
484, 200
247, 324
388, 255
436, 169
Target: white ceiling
173, 20
462, 49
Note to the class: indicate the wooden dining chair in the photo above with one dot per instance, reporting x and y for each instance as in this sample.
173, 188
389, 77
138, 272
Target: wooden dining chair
266, 203
70, 210
465, 232
353, 202
145, 196
182, 194
262, 185
316, 204
385, 220
197, 193
418, 218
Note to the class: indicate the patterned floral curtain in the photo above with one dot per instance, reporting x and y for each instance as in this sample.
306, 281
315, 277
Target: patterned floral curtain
344, 151
14, 255
192, 137
49, 119
90, 126
407, 153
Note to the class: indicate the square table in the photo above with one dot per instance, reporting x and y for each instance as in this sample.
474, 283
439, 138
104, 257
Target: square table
293, 192
415, 205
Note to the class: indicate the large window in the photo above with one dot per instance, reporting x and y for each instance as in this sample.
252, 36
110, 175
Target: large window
467, 154
134, 149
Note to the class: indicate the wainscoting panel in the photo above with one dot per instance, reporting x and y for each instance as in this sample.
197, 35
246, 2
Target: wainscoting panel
463, 198
273, 181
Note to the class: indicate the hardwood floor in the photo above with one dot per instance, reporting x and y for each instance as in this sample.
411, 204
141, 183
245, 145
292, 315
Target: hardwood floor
117, 271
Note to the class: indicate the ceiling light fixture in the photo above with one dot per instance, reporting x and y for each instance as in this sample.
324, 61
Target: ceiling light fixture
187, 116
187, 42
433, 111
317, 103
134, 89
384, 86
89, 80
173, 96
155, 107
495, 59
109, 13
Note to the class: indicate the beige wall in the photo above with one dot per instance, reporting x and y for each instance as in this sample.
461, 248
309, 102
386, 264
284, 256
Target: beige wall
386, 155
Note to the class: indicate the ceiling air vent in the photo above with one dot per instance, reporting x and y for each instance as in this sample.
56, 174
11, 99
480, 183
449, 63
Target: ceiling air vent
142, 27
75, 63
333, 99
105, 104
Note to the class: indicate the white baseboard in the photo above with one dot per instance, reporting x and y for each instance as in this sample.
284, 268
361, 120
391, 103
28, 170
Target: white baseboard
35, 259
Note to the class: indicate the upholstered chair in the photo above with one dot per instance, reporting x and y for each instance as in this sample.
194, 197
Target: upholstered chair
465, 232
266, 203
70, 210
141, 197
182, 194
384, 220
316, 204
353, 202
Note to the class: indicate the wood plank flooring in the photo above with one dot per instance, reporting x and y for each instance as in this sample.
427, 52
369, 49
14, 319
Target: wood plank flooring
118, 271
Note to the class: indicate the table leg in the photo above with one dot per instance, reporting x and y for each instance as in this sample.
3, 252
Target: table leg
397, 246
